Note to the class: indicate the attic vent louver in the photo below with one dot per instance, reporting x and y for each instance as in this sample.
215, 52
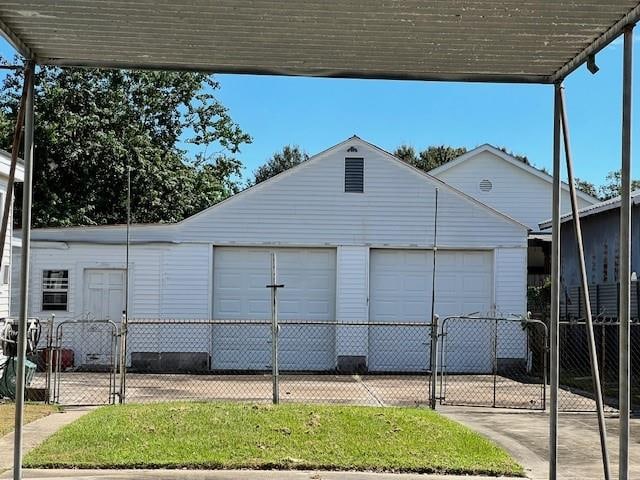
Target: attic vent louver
354, 175
486, 185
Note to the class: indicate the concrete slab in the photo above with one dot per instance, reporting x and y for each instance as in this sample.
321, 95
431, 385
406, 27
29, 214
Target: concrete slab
92, 388
526, 436
229, 475
36, 432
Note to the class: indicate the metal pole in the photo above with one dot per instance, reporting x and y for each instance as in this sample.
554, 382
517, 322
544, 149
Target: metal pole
24, 283
434, 360
124, 324
275, 370
50, 356
625, 254
495, 360
555, 292
17, 137
577, 228
434, 321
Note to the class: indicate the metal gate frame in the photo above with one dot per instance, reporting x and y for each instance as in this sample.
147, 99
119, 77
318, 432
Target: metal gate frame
57, 353
496, 320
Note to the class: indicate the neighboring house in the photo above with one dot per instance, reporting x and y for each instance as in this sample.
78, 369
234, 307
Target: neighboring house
6, 264
353, 231
600, 234
515, 188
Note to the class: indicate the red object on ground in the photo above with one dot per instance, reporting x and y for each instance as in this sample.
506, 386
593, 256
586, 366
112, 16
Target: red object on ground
67, 358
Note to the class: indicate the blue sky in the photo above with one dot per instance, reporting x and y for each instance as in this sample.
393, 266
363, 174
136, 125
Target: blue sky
316, 113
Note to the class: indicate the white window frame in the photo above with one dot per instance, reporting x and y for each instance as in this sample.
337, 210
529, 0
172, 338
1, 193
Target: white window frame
55, 286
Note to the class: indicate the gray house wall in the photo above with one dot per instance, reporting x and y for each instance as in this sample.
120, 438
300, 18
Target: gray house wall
601, 233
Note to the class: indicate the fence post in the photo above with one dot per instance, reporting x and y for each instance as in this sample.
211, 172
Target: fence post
275, 328
50, 357
123, 356
495, 360
434, 360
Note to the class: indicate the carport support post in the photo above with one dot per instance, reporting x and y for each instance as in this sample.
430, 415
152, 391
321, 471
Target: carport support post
625, 254
555, 291
275, 329
24, 281
577, 228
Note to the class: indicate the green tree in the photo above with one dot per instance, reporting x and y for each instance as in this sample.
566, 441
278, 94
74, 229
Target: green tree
92, 125
290, 156
407, 154
430, 158
613, 182
587, 187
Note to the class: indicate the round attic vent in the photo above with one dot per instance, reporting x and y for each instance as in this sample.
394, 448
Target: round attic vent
486, 185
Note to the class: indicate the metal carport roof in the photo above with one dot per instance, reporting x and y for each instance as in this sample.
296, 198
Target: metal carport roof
471, 40
535, 41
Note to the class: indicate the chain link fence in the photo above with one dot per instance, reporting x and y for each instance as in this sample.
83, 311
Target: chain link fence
482, 361
575, 371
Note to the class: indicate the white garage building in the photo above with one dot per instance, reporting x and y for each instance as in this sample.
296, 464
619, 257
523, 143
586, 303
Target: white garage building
353, 231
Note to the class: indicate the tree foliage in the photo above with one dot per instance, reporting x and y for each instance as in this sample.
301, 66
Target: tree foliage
612, 185
587, 187
288, 157
92, 125
430, 158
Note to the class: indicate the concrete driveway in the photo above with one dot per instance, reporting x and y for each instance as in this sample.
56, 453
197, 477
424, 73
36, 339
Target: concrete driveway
526, 436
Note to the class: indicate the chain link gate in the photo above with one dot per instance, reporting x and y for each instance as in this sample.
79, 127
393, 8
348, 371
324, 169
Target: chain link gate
83, 360
489, 361
363, 363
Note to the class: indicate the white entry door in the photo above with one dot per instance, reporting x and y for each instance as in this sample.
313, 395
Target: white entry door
103, 299
239, 293
400, 291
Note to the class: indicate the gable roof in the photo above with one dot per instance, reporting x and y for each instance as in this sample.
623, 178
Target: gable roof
349, 141
611, 204
153, 232
513, 161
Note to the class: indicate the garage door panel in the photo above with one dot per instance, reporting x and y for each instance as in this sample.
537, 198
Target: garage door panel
240, 279
241, 347
400, 291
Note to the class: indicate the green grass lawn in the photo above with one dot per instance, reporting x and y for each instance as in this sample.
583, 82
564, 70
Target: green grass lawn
291, 436
32, 411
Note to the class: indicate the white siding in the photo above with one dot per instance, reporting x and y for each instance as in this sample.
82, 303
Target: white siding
14, 306
145, 275
511, 280
5, 288
185, 282
352, 299
511, 287
308, 206
518, 193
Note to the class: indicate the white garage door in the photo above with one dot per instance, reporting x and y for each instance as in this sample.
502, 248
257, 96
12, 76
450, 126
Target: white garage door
400, 291
239, 293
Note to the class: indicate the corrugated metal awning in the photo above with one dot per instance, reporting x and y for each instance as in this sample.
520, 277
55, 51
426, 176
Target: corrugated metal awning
475, 40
